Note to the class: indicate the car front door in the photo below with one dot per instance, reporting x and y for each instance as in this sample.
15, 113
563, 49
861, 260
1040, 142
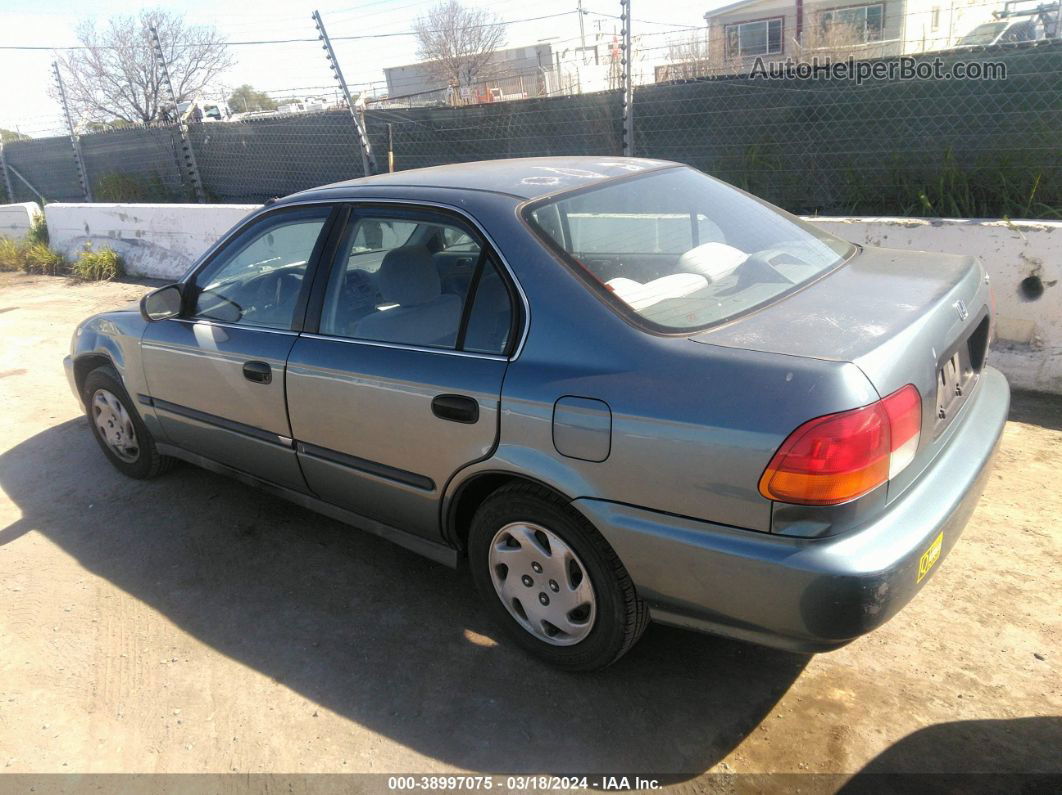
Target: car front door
216, 372
395, 383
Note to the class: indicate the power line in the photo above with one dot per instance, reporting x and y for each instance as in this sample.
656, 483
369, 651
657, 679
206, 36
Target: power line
313, 40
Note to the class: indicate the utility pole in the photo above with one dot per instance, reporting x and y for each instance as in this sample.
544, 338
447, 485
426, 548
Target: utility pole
75, 142
582, 33
190, 166
368, 163
628, 83
7, 176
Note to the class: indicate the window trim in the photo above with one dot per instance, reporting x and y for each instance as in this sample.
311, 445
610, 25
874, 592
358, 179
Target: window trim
766, 21
321, 246
488, 254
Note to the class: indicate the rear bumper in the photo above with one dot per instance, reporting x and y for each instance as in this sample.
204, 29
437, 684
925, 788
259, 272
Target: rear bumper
809, 594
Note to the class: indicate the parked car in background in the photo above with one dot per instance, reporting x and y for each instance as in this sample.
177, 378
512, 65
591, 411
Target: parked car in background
1018, 21
620, 389
1002, 31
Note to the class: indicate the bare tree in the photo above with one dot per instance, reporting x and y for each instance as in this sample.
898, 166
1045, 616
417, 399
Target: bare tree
687, 58
116, 75
459, 42
826, 38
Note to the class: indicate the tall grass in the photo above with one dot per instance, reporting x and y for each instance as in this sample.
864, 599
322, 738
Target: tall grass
1005, 188
38, 258
102, 265
31, 257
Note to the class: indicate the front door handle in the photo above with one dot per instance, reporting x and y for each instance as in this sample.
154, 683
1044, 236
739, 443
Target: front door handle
259, 372
456, 408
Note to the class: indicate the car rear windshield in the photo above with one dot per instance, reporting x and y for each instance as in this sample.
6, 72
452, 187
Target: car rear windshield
683, 251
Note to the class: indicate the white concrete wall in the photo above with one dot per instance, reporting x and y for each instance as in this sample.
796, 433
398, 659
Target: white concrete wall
1019, 255
16, 219
162, 241
156, 240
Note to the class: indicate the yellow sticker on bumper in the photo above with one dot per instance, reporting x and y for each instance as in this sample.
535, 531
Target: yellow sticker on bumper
931, 556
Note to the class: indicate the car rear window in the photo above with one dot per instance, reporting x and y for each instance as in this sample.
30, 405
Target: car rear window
682, 251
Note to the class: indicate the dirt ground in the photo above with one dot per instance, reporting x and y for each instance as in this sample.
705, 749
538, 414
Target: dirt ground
192, 624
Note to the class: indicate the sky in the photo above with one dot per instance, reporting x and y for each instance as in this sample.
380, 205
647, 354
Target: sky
297, 68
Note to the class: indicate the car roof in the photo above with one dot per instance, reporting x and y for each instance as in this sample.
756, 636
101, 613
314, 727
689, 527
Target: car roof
522, 178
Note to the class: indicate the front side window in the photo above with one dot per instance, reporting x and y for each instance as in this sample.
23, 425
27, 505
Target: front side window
855, 25
409, 280
257, 278
683, 251
759, 37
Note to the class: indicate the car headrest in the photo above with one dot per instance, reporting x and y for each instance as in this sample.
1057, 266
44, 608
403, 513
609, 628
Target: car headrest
408, 276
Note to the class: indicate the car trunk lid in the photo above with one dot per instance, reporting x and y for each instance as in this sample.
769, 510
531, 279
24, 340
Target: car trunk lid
902, 317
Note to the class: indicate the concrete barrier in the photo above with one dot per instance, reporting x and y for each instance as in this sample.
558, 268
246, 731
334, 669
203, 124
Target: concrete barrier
1024, 260
16, 219
155, 240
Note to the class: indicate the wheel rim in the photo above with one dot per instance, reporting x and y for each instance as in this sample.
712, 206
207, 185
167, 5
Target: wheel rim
115, 426
542, 583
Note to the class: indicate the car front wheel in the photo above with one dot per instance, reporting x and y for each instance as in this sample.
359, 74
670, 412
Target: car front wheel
117, 426
552, 581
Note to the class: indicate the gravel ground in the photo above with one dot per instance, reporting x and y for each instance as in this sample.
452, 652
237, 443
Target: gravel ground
190, 624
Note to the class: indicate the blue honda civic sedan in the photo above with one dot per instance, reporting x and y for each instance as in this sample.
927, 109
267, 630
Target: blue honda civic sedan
617, 389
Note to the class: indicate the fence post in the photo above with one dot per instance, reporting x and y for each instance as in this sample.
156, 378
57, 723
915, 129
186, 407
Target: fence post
7, 176
628, 83
190, 164
368, 162
75, 142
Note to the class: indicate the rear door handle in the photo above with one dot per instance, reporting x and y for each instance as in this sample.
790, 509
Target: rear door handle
259, 372
456, 408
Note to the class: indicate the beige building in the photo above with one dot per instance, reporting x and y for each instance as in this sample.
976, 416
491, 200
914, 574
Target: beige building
775, 30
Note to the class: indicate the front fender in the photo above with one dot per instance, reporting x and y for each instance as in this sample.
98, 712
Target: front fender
115, 337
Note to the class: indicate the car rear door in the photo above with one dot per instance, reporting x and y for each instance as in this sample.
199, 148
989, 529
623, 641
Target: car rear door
396, 381
215, 374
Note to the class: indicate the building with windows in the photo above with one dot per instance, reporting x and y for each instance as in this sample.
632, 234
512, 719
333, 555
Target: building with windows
741, 32
512, 73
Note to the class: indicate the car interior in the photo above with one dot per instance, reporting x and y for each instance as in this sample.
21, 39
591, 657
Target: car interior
407, 282
403, 282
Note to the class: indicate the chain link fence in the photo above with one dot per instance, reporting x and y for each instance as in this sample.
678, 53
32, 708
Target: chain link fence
936, 147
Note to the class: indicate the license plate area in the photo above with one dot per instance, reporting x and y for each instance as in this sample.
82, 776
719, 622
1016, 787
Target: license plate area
949, 386
955, 379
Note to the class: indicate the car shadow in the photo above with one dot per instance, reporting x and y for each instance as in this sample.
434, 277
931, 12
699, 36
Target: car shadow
377, 634
1015, 755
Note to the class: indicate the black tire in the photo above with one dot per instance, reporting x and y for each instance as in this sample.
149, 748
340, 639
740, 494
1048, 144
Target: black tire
148, 462
621, 616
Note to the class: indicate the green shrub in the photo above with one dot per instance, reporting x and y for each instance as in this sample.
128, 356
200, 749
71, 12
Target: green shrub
104, 264
10, 255
38, 258
31, 258
38, 232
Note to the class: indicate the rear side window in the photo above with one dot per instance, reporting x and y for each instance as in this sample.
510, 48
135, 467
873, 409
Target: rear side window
419, 280
682, 251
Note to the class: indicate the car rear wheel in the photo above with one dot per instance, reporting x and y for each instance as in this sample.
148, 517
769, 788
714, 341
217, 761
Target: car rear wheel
117, 426
552, 581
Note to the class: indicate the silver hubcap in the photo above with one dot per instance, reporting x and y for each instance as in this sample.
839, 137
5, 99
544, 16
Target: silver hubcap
542, 583
115, 425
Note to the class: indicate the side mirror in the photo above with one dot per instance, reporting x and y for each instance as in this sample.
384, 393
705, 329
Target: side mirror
161, 303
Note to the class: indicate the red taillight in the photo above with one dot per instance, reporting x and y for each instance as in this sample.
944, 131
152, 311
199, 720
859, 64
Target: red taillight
839, 457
